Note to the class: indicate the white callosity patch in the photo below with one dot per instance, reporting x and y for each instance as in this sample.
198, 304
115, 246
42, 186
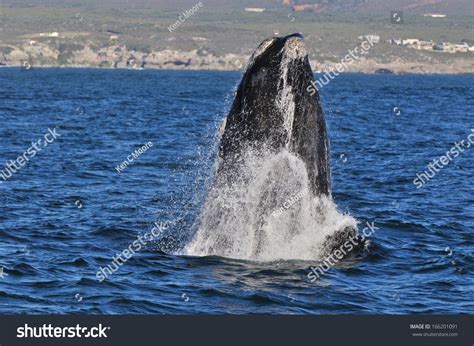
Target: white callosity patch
295, 48
239, 220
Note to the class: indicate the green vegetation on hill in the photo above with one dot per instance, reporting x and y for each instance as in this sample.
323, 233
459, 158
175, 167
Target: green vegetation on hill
222, 30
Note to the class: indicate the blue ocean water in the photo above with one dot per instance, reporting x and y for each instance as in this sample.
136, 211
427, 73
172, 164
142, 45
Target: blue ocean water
68, 211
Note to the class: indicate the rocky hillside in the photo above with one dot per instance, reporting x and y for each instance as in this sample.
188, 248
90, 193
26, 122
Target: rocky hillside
218, 37
115, 56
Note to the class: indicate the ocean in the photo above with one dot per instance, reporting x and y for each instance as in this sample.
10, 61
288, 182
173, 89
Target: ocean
106, 160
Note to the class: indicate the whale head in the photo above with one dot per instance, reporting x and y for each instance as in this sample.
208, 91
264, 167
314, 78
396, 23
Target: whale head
272, 110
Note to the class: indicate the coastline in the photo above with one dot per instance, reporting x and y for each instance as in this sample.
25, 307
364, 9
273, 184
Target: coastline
370, 68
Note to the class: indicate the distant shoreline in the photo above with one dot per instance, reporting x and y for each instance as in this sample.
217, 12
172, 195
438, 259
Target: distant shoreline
374, 72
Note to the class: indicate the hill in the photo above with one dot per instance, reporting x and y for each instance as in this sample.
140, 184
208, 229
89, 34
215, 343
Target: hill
221, 34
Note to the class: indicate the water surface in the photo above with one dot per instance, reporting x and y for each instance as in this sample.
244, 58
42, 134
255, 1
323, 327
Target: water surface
68, 211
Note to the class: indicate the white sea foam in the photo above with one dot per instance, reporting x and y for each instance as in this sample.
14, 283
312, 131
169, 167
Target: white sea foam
239, 220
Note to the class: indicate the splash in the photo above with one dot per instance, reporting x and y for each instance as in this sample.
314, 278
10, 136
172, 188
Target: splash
268, 213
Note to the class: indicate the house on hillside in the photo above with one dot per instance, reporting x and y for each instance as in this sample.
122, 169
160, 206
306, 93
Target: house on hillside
410, 42
434, 15
254, 9
463, 48
306, 7
425, 45
49, 34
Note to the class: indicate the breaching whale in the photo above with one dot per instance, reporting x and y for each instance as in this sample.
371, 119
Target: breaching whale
271, 194
273, 110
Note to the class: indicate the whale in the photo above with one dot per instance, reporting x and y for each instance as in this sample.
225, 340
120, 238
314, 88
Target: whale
272, 109
270, 196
